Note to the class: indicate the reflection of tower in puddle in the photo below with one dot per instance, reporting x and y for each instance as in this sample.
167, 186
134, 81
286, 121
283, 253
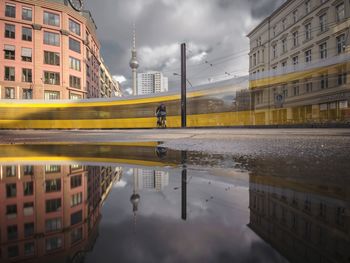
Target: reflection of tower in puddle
135, 197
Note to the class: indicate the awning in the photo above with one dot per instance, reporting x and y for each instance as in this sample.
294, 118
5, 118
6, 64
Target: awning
26, 52
9, 48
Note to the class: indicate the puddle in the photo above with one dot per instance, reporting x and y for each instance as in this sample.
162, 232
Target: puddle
143, 203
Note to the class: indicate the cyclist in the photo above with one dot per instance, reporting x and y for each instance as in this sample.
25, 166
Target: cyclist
161, 116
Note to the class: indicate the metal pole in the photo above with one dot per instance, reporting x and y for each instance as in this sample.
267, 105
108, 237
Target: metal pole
184, 186
183, 85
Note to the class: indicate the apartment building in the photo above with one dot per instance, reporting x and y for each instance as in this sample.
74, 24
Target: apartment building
303, 219
108, 86
49, 51
151, 82
51, 212
299, 63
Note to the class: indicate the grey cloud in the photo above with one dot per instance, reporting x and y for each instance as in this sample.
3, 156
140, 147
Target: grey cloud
217, 27
262, 8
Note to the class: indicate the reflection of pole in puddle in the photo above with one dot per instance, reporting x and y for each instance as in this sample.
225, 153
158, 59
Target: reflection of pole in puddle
184, 186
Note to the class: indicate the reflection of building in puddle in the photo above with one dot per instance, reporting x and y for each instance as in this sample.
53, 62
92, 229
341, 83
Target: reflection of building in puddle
304, 222
151, 179
51, 212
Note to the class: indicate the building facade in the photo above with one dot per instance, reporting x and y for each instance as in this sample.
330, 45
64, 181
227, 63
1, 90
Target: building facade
108, 86
51, 212
299, 63
304, 220
49, 51
151, 82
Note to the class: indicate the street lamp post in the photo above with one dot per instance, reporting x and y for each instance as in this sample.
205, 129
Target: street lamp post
183, 85
177, 74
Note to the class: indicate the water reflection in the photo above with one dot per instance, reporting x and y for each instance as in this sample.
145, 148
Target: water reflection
51, 212
306, 222
147, 204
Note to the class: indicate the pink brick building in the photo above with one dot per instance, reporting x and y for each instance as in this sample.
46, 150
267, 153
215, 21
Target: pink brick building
49, 51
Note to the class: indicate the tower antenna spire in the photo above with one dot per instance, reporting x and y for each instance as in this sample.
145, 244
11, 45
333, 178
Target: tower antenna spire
134, 64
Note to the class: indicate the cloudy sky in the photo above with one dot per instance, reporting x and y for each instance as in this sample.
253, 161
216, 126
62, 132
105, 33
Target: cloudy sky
214, 30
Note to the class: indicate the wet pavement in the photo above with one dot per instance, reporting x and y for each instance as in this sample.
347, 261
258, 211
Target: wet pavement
287, 200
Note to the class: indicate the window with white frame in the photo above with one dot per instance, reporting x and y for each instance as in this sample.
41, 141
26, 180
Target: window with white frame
323, 50
340, 12
323, 22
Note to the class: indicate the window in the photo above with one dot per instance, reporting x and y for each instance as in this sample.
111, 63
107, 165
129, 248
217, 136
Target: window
324, 81
11, 190
340, 216
52, 78
11, 211
28, 209
75, 181
53, 224
26, 54
308, 85
53, 243
51, 95
51, 19
295, 16
27, 14
28, 170
76, 218
52, 39
307, 6
52, 169
284, 24
53, 205
10, 171
74, 45
27, 94
74, 27
342, 77
10, 31
308, 31
341, 44
323, 51
340, 10
10, 73
53, 185
12, 232
285, 91
296, 88
274, 51
295, 60
73, 96
76, 199
308, 57
28, 229
74, 64
284, 45
10, 52
51, 58
274, 31
74, 82
12, 251
27, 75
10, 10
323, 22
295, 38
26, 34
76, 235
28, 188
29, 248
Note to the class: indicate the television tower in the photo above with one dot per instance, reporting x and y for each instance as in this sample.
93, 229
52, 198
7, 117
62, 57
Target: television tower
134, 64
